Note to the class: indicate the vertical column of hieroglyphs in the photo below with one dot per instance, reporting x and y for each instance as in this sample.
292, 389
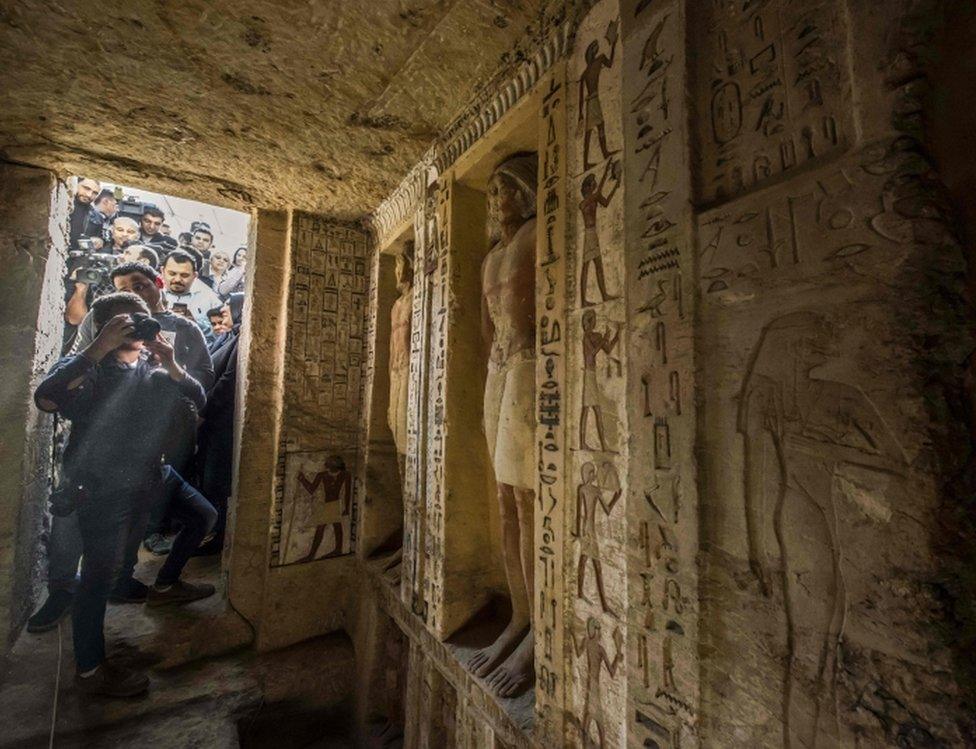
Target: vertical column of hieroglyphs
412, 575
551, 430
662, 505
773, 94
366, 399
597, 473
440, 291
323, 387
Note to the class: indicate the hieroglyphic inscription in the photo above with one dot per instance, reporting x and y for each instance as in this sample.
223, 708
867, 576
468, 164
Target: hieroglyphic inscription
551, 434
598, 430
324, 364
845, 217
438, 259
414, 523
771, 89
662, 663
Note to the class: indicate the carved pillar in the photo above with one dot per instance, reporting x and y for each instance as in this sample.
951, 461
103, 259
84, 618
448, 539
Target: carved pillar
598, 422
261, 385
459, 490
553, 413
662, 508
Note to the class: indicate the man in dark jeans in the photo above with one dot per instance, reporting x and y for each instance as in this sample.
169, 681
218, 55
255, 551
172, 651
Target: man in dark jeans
117, 394
64, 545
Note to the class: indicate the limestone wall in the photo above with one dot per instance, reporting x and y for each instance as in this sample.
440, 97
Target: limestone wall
750, 357
33, 248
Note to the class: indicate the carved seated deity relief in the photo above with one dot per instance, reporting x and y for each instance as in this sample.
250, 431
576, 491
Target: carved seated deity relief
508, 326
801, 433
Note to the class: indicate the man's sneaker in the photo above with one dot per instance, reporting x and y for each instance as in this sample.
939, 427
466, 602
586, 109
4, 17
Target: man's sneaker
158, 545
131, 591
179, 592
113, 681
55, 608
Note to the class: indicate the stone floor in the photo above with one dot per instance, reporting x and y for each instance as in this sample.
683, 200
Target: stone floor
207, 689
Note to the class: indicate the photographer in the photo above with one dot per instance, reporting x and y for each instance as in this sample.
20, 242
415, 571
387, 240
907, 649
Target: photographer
118, 400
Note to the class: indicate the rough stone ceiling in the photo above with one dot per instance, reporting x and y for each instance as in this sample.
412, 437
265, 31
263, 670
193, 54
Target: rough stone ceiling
321, 105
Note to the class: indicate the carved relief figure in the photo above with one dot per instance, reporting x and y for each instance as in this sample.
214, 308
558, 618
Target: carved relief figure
589, 494
593, 198
400, 319
591, 646
590, 110
593, 344
798, 432
508, 324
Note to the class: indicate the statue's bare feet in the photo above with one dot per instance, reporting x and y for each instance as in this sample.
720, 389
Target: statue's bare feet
517, 673
483, 661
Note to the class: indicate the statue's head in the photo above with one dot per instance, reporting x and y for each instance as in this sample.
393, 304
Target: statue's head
404, 267
512, 193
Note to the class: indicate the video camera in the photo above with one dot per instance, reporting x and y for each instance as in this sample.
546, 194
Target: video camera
93, 267
133, 208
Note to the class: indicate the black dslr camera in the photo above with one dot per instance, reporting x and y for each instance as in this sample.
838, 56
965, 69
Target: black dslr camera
144, 328
93, 267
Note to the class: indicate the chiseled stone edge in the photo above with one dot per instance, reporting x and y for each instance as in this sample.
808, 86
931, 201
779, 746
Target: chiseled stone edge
470, 127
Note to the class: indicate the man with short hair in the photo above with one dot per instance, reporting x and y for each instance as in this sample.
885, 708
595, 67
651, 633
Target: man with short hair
125, 231
85, 192
166, 230
186, 294
97, 226
118, 395
141, 253
190, 351
202, 243
150, 225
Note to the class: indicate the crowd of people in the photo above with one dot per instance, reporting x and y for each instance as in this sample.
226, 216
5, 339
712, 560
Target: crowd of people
145, 388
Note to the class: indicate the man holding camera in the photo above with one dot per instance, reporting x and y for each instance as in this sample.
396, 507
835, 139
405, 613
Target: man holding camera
186, 294
117, 393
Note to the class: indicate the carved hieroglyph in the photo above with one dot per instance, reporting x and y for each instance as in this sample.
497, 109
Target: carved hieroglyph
597, 428
553, 413
772, 90
662, 658
323, 392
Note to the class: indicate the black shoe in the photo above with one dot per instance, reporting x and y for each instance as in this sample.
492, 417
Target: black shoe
55, 608
179, 592
209, 548
131, 591
112, 681
158, 545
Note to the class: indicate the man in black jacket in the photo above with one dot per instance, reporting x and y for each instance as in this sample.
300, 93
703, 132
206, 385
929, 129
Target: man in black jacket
117, 394
85, 192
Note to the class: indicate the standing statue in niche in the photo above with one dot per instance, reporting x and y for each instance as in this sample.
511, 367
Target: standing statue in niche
508, 324
590, 110
400, 320
804, 430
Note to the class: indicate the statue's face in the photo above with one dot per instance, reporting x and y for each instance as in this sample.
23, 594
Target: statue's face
404, 273
504, 204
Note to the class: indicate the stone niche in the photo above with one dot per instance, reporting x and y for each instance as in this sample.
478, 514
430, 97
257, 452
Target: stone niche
383, 468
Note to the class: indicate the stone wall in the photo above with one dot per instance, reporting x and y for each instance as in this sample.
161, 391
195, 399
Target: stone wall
751, 525
34, 206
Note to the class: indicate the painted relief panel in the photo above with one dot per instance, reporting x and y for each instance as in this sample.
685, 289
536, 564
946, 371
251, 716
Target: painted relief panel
325, 361
771, 90
598, 429
817, 492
